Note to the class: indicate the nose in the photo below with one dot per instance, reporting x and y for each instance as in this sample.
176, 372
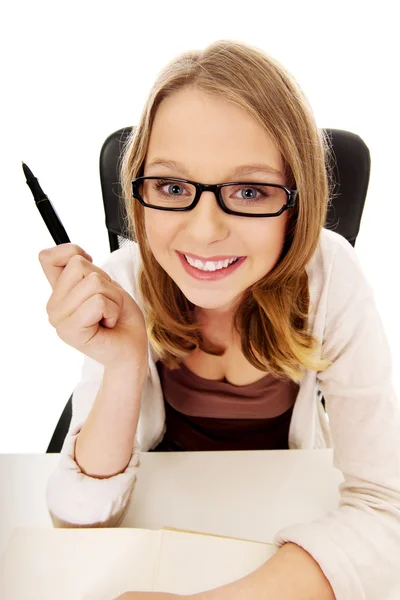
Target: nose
207, 221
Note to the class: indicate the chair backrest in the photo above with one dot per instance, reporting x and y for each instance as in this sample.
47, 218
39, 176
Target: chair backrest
351, 170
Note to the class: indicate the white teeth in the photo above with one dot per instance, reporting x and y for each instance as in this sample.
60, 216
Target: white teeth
210, 265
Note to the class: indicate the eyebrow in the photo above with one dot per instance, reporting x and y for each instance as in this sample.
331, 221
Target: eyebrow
242, 170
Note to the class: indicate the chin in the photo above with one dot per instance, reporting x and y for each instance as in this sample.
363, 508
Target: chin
208, 300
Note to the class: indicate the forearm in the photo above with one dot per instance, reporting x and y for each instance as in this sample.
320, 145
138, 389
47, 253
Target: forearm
291, 574
104, 444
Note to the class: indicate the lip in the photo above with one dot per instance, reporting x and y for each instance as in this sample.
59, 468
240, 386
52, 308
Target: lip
210, 275
211, 258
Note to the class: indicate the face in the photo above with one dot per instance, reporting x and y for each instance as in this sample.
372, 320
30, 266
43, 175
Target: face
211, 138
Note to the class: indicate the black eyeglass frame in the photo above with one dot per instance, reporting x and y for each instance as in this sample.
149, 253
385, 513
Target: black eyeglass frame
216, 188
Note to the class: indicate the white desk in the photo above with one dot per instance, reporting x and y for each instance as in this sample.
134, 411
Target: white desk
248, 495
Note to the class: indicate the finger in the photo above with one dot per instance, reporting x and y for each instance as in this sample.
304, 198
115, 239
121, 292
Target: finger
87, 287
84, 324
53, 260
73, 273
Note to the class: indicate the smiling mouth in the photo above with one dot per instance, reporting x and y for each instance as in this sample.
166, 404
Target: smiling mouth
210, 265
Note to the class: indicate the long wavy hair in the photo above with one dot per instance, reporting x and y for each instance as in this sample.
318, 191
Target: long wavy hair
272, 318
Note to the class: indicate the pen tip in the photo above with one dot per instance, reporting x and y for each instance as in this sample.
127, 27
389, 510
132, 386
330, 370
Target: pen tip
28, 173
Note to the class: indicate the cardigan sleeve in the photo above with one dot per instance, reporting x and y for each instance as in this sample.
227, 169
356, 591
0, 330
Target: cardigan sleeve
73, 498
357, 545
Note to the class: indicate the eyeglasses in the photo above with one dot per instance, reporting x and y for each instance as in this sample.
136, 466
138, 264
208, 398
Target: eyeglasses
244, 199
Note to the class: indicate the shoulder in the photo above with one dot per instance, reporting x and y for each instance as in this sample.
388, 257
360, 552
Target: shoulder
125, 257
331, 246
339, 288
123, 266
335, 258
336, 277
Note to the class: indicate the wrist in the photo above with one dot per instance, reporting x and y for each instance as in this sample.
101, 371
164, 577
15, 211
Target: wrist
132, 366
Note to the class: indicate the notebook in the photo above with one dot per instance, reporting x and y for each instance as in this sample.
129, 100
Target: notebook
102, 563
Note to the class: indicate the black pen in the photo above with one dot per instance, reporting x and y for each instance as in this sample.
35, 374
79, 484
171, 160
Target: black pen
45, 208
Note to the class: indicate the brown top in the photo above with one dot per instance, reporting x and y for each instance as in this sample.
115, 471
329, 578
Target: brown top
202, 414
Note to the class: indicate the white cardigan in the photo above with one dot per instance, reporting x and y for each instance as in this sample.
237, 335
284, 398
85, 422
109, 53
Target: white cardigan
357, 545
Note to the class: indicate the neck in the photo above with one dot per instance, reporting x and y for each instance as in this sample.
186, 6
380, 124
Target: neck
217, 322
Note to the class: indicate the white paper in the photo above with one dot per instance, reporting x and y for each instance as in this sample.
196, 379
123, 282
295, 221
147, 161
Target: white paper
77, 564
191, 563
103, 563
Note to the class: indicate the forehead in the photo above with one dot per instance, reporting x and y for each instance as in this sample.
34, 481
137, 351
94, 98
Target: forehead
209, 135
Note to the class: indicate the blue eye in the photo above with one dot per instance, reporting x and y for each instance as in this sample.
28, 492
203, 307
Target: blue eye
262, 190
159, 184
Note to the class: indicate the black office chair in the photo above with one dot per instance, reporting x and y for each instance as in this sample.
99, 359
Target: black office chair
350, 172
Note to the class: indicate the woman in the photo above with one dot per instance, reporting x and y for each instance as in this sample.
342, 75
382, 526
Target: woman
231, 312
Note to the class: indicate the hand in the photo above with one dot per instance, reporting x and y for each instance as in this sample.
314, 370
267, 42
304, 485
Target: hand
90, 311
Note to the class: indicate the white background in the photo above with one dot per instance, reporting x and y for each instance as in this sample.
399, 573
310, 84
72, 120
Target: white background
73, 74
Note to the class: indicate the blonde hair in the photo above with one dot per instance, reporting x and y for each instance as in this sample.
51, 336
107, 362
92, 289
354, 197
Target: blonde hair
272, 319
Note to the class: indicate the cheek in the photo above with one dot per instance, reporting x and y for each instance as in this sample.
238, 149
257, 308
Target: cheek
267, 239
160, 229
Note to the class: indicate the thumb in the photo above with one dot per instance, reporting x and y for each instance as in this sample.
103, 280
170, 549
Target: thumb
109, 322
